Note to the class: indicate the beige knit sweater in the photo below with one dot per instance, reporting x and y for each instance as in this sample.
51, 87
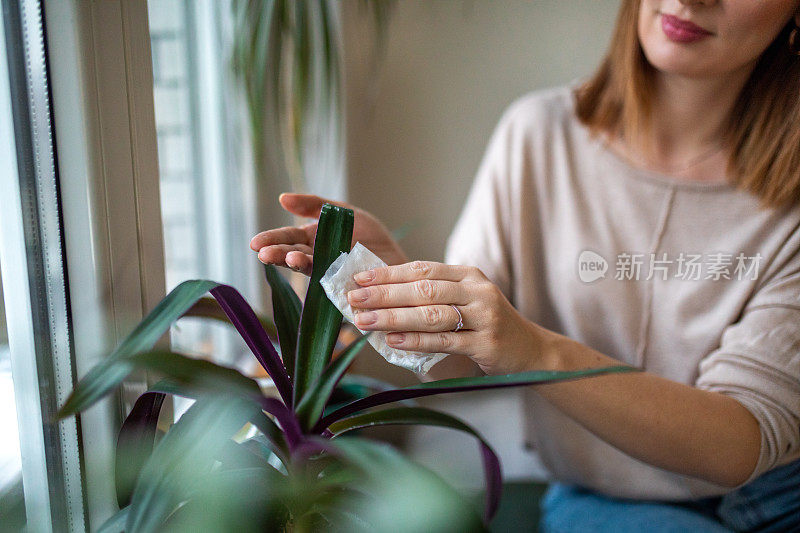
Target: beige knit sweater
690, 281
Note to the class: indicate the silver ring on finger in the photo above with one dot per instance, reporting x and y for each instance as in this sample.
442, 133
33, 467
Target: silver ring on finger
460, 324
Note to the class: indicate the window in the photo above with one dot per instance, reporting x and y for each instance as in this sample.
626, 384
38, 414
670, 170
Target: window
12, 500
205, 206
82, 242
36, 356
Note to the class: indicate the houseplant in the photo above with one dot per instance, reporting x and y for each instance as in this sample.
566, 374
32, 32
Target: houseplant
240, 460
286, 57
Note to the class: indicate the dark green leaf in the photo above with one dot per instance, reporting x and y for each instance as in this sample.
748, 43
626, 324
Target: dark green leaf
310, 408
286, 307
273, 434
101, 379
135, 443
158, 321
155, 324
445, 386
361, 386
195, 374
353, 387
320, 320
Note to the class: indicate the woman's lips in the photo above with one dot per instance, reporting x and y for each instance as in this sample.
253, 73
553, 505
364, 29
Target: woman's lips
682, 31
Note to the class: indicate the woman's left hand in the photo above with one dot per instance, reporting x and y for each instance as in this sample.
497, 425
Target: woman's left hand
414, 299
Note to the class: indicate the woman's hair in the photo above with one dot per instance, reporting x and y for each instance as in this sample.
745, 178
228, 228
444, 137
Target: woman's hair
763, 132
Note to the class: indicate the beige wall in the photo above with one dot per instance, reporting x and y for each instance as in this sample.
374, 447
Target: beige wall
417, 130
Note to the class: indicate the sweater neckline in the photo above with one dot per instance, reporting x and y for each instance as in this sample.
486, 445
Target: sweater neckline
630, 170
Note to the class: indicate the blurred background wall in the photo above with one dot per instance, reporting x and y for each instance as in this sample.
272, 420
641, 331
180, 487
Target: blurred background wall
418, 120
418, 125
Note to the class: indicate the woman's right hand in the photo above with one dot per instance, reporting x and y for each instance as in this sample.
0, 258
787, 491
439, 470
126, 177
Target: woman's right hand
293, 247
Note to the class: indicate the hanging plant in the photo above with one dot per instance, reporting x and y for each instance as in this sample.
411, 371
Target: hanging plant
286, 56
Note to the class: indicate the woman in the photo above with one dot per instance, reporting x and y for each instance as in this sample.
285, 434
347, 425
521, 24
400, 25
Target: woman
650, 215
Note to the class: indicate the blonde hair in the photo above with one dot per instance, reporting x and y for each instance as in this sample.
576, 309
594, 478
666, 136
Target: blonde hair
763, 130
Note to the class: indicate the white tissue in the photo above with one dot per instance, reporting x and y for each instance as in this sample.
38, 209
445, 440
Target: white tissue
338, 280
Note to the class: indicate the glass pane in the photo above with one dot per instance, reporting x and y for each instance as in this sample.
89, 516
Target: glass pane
181, 198
201, 138
12, 503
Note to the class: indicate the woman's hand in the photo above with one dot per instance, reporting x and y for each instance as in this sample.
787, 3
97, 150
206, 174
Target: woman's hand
294, 246
414, 299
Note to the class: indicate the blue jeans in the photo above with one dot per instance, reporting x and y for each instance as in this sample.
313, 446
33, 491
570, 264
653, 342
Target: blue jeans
768, 504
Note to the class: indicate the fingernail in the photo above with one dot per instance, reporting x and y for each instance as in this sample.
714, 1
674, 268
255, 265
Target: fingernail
366, 317
358, 295
395, 338
364, 277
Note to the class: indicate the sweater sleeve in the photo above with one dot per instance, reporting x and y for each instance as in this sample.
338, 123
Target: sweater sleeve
758, 363
480, 237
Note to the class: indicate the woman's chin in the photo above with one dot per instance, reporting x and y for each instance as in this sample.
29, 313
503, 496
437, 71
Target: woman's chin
676, 61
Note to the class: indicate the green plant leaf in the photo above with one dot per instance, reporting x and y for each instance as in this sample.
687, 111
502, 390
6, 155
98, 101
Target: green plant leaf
183, 458
302, 68
237, 456
311, 406
143, 337
362, 386
320, 320
197, 374
275, 438
135, 443
286, 308
401, 416
207, 307
111, 371
429, 417
244, 500
401, 493
158, 321
115, 524
446, 386
400, 233
353, 387
192, 373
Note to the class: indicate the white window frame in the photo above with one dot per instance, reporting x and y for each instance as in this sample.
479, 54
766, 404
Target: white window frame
34, 279
101, 78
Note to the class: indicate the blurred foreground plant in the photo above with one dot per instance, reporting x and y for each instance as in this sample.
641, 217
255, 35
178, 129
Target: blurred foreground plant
238, 460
